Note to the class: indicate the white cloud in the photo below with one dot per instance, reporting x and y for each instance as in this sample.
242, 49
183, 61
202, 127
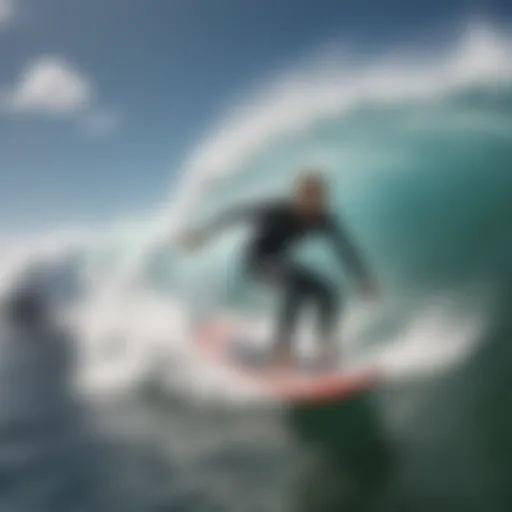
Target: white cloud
50, 85
53, 86
6, 11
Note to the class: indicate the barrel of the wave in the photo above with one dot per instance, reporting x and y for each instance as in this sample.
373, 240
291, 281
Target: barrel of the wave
345, 458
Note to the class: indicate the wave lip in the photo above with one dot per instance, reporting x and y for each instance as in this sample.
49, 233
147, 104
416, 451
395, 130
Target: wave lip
325, 87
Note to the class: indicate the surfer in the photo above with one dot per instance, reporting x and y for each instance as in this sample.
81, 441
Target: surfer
279, 224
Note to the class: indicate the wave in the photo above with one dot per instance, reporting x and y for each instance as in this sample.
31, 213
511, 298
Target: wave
139, 296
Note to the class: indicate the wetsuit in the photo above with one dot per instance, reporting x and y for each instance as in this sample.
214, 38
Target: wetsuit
277, 227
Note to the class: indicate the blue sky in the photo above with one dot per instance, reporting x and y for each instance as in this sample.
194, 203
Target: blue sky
101, 101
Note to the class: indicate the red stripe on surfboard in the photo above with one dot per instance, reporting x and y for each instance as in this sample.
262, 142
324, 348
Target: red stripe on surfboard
214, 337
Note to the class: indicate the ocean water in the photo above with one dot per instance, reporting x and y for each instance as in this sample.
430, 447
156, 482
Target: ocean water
417, 148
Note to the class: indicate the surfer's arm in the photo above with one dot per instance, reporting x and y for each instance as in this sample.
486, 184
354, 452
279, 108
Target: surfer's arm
346, 250
234, 216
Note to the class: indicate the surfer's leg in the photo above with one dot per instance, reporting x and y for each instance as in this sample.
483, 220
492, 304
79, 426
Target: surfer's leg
298, 285
328, 305
318, 290
328, 309
289, 279
301, 285
286, 320
289, 282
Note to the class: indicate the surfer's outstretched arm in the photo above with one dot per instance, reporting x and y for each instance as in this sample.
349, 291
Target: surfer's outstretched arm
235, 215
347, 252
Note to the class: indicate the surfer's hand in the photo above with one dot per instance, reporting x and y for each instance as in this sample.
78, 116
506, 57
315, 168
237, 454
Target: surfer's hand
192, 240
369, 288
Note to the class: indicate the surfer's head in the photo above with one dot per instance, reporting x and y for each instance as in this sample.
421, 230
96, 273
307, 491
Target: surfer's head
310, 192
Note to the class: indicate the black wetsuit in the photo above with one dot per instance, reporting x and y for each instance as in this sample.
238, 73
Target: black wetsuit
277, 227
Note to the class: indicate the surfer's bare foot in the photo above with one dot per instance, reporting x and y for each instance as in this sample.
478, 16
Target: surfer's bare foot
329, 359
282, 360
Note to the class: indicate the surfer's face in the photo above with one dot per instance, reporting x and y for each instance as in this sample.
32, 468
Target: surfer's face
310, 197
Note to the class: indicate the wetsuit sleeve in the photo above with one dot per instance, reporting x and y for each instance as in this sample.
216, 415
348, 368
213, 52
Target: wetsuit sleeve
345, 249
240, 214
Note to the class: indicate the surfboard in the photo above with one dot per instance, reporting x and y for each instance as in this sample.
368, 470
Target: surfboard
224, 344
